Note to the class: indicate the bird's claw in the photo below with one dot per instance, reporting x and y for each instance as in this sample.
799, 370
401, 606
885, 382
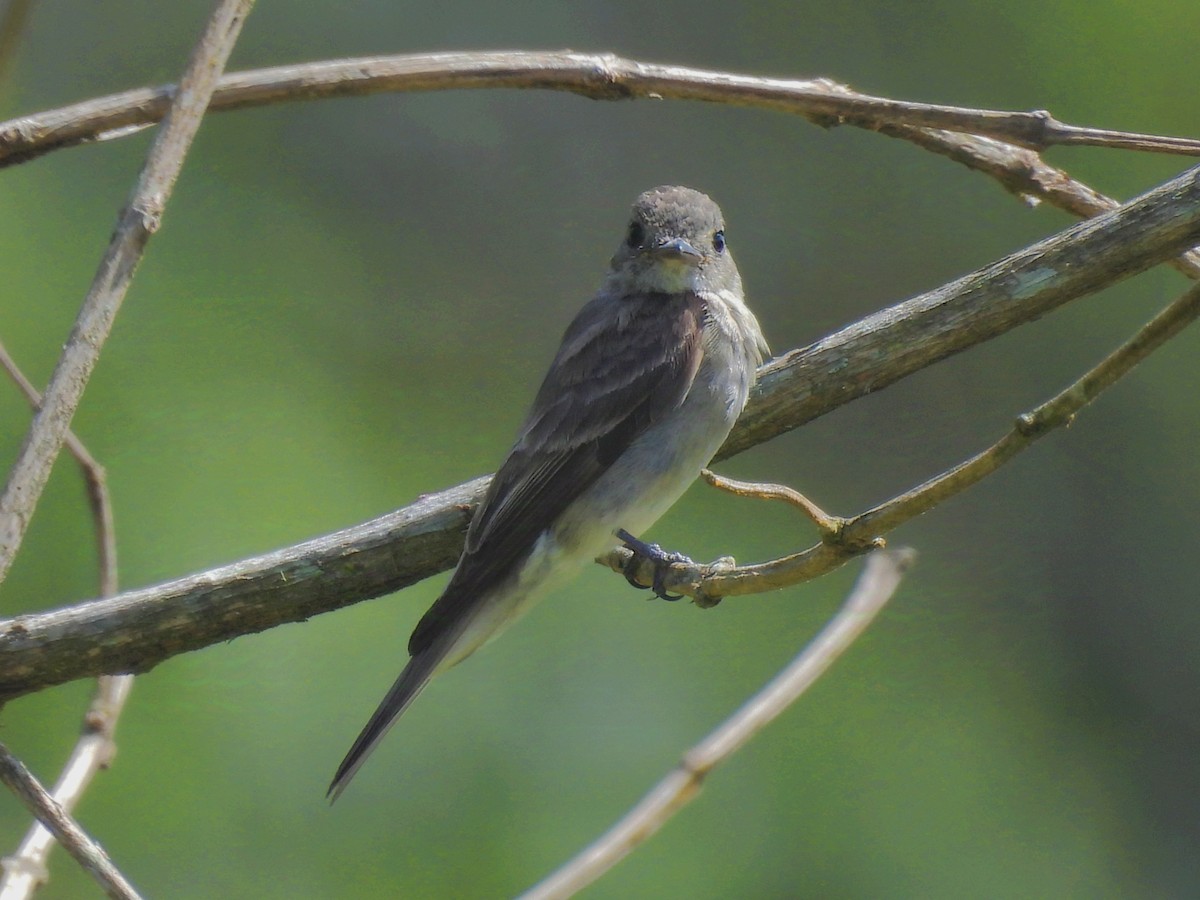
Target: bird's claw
659, 558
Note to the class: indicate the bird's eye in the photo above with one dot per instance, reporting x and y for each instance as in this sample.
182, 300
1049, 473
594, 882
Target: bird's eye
719, 241
636, 236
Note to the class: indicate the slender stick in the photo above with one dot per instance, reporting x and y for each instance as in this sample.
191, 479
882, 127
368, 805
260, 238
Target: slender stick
50, 428
597, 76
86, 852
26, 870
1020, 170
870, 594
95, 479
140, 218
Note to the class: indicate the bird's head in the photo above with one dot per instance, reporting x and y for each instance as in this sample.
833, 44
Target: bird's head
675, 242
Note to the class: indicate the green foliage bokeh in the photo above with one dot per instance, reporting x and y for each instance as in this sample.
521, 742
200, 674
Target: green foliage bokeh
352, 301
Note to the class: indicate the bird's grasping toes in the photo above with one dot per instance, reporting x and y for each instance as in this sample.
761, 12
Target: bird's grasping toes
648, 382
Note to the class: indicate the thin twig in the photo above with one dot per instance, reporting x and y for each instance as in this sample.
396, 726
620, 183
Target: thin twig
135, 630
871, 592
1019, 170
1024, 174
94, 477
140, 218
854, 535
604, 77
597, 76
26, 869
831, 526
86, 852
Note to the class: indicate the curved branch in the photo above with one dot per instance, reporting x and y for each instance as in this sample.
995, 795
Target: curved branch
875, 586
136, 630
1019, 170
597, 76
845, 538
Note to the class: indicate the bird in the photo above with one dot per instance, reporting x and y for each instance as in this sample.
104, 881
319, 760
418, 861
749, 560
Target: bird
646, 385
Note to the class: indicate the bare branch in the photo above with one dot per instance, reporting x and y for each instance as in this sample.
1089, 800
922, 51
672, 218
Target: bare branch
597, 76
138, 629
86, 852
830, 526
899, 340
25, 870
140, 218
850, 537
1021, 171
1025, 174
874, 588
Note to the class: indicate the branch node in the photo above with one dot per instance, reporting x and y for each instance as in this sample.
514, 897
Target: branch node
148, 212
608, 81
718, 567
1029, 424
846, 540
696, 765
1043, 122
25, 869
18, 133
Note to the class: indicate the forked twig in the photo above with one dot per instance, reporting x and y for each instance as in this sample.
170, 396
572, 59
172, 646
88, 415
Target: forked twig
853, 536
140, 218
602, 76
94, 477
26, 869
50, 428
875, 586
86, 852
830, 526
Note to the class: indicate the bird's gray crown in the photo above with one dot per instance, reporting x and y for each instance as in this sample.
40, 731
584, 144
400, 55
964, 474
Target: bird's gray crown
675, 241
676, 211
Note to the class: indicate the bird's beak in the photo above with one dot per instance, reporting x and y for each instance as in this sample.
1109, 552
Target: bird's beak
678, 249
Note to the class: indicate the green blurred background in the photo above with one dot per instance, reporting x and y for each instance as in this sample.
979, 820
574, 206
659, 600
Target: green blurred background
352, 302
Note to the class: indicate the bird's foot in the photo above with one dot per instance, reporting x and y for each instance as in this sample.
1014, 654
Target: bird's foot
658, 557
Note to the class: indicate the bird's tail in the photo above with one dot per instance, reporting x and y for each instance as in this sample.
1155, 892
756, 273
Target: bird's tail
410, 683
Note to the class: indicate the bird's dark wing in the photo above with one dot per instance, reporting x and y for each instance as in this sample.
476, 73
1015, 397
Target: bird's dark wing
623, 364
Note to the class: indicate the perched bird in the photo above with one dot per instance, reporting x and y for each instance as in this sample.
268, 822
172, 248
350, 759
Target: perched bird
644, 389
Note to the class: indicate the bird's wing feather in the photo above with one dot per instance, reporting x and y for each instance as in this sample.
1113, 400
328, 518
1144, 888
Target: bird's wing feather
622, 366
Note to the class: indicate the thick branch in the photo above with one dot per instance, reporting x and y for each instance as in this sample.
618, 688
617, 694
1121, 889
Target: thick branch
136, 630
900, 340
598, 76
845, 538
139, 219
1023, 173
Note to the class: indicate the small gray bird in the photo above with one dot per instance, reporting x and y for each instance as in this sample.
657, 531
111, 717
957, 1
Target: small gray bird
645, 387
